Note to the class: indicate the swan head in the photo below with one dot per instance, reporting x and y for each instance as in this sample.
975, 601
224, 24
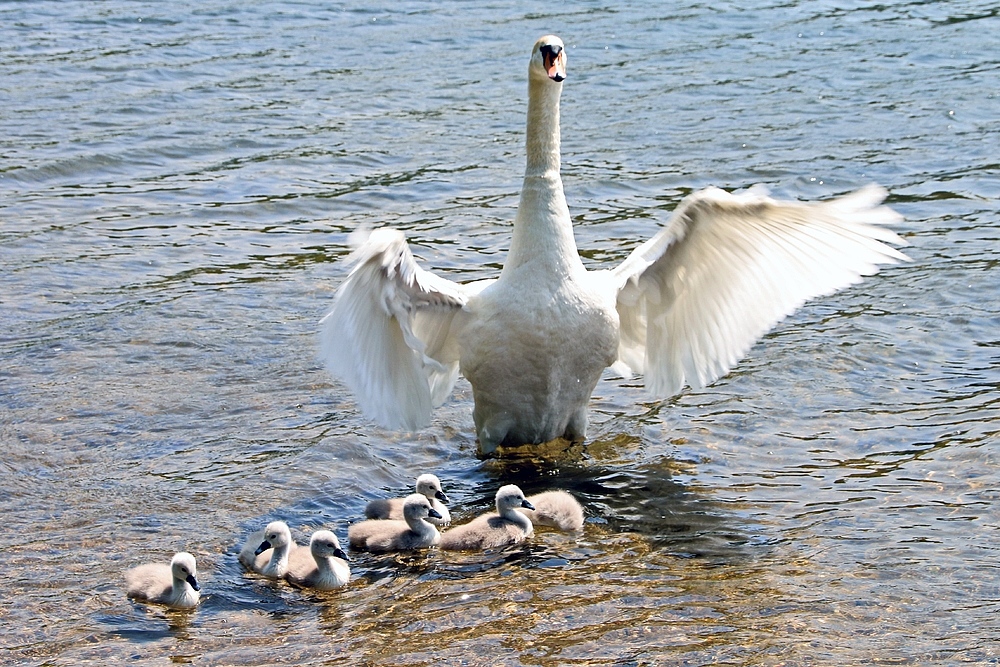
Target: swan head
548, 59
510, 497
430, 486
324, 544
183, 568
276, 535
416, 507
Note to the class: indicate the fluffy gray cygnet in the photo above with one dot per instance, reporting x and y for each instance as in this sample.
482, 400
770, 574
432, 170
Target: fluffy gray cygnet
174, 585
392, 508
266, 552
323, 566
557, 509
506, 526
414, 532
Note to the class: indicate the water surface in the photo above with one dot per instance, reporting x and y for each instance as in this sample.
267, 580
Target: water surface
177, 184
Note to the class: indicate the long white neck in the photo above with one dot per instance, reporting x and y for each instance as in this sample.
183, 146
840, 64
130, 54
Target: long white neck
542, 141
543, 230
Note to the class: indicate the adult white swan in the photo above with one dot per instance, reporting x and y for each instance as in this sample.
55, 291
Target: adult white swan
682, 308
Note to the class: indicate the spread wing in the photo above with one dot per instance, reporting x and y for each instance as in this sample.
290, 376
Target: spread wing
727, 267
391, 335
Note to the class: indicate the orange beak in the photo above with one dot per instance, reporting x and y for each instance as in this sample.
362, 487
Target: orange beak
554, 60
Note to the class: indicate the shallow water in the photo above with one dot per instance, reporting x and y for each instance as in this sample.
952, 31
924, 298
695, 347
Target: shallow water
177, 183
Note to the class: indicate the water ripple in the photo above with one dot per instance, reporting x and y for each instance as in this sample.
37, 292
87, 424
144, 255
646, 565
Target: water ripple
178, 187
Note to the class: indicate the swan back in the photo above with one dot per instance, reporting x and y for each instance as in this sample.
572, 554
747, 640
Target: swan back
557, 509
174, 585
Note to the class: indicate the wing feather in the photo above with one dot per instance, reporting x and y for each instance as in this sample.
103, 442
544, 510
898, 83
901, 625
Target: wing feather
728, 267
391, 333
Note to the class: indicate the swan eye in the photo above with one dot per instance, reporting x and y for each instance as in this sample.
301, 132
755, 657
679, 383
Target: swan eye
551, 51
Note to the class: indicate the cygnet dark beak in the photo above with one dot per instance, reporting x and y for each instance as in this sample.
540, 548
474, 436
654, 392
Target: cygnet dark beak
527, 505
193, 582
431, 512
264, 546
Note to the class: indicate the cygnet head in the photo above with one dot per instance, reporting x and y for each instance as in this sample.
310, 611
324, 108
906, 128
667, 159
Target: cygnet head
430, 486
510, 497
324, 544
183, 568
548, 59
276, 535
416, 507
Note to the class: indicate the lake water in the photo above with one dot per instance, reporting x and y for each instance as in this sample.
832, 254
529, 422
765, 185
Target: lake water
177, 184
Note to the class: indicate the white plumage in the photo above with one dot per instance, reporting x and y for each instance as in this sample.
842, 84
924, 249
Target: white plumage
683, 307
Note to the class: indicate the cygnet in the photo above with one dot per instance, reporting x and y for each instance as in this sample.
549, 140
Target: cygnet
414, 532
175, 585
507, 526
557, 509
392, 508
266, 552
323, 567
